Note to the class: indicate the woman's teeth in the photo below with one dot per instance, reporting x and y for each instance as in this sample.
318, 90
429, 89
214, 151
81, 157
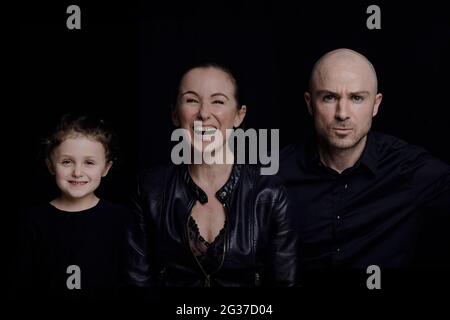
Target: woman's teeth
204, 131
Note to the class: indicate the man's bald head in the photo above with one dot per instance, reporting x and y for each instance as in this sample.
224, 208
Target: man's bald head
343, 60
343, 99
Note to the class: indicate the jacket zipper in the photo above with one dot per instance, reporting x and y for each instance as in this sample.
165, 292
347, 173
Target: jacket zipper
225, 240
207, 279
208, 276
257, 279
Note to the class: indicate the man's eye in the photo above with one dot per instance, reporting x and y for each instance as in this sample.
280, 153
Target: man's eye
90, 163
357, 98
191, 100
66, 162
329, 98
218, 102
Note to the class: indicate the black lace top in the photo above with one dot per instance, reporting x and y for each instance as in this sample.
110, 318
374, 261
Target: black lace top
208, 254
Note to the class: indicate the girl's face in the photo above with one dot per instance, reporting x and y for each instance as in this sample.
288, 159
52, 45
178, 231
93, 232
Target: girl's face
78, 164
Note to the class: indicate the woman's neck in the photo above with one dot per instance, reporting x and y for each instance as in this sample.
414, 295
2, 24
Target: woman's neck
210, 177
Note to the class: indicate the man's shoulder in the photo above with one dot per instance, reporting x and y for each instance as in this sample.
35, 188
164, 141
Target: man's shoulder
387, 141
387, 144
289, 154
292, 158
415, 156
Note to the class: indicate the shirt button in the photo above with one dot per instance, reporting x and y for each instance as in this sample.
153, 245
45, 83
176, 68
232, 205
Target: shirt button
346, 186
338, 250
338, 217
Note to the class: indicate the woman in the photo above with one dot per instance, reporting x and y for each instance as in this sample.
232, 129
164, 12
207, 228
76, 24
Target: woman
219, 224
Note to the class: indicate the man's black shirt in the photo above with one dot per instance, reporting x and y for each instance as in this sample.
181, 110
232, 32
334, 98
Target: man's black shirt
369, 214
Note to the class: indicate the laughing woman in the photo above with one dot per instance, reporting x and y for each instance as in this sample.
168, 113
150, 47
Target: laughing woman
201, 224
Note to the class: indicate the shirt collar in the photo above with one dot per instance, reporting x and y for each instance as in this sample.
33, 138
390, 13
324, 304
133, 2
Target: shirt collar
369, 157
308, 156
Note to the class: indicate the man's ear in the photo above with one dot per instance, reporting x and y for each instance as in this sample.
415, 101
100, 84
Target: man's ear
240, 116
50, 167
107, 167
175, 120
307, 96
376, 106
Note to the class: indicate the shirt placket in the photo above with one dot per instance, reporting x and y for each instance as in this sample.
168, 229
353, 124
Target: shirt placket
339, 196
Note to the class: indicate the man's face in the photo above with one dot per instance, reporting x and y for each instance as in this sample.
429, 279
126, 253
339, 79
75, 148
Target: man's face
342, 101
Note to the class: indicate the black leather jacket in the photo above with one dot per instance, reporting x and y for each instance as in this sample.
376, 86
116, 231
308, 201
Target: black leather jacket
260, 246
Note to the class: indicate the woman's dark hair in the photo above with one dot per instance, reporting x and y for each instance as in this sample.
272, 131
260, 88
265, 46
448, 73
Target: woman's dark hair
205, 65
72, 125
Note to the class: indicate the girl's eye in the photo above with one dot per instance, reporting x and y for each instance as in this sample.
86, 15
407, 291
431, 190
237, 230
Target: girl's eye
191, 100
90, 163
66, 162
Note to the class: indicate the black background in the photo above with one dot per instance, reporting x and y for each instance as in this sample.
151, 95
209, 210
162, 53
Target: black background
124, 61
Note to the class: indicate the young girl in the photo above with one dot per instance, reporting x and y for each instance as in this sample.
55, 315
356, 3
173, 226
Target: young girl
72, 246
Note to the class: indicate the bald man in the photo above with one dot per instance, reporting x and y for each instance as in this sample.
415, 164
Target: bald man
354, 195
